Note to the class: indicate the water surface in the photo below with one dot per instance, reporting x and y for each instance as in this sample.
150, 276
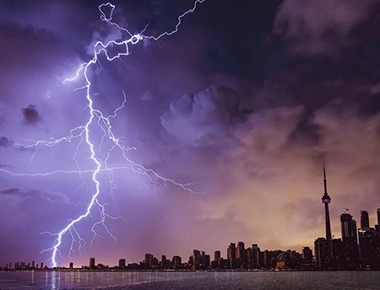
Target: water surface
55, 280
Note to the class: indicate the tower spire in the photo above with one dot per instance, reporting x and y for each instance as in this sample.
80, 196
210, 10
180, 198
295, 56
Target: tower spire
326, 200
324, 178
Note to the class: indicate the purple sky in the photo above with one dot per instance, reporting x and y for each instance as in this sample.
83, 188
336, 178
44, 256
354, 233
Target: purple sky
244, 102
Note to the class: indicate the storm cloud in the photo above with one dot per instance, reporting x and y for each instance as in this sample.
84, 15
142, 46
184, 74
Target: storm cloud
242, 109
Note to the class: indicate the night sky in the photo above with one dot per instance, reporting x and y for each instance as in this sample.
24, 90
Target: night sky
242, 105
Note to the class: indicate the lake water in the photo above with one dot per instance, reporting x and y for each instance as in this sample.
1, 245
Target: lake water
189, 280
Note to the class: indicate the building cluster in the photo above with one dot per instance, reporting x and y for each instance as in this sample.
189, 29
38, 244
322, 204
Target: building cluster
358, 249
238, 257
25, 266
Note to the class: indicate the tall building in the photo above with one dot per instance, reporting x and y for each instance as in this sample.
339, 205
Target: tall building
217, 255
348, 227
177, 260
348, 248
241, 255
322, 253
364, 219
163, 261
231, 255
197, 258
369, 246
122, 263
378, 216
326, 200
307, 255
91, 264
253, 257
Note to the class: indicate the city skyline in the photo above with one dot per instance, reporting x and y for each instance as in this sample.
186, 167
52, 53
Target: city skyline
234, 113
349, 233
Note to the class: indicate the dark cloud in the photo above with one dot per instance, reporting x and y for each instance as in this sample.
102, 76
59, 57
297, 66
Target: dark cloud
10, 191
319, 26
5, 142
31, 115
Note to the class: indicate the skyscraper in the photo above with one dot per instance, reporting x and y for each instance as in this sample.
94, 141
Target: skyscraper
122, 264
91, 264
326, 200
241, 255
217, 255
231, 255
348, 251
364, 219
348, 226
378, 216
322, 249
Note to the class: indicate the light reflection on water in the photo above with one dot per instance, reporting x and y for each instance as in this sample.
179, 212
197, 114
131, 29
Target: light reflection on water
56, 280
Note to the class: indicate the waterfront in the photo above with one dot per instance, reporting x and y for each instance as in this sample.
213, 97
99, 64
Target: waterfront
188, 280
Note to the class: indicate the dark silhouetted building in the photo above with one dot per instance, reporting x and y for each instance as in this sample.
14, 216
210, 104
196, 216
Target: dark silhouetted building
369, 247
163, 261
253, 257
348, 227
197, 258
91, 264
71, 265
322, 253
217, 255
177, 261
307, 255
241, 255
122, 263
348, 250
364, 219
231, 255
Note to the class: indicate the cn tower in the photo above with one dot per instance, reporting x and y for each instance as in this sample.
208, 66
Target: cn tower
326, 200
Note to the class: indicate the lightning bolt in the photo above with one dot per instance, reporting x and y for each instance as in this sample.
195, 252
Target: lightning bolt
85, 136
